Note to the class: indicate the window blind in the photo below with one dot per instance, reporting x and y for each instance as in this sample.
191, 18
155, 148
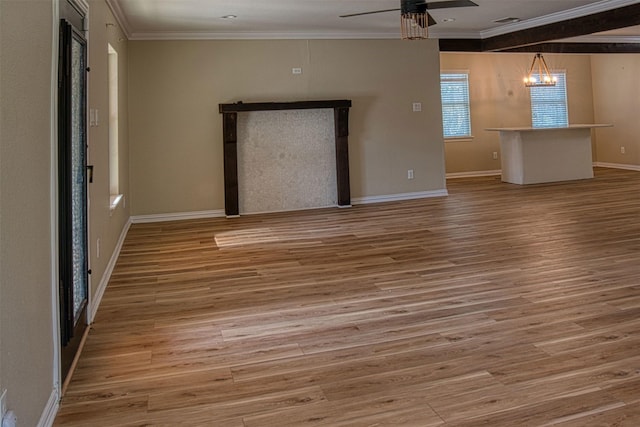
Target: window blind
549, 104
456, 117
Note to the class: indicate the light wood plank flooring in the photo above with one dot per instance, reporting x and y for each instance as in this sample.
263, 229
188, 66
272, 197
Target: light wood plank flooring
500, 305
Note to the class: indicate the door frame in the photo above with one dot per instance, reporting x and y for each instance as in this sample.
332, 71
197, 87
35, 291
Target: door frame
82, 7
73, 206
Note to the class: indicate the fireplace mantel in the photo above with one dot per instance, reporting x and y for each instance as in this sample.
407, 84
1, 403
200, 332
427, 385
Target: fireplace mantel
230, 143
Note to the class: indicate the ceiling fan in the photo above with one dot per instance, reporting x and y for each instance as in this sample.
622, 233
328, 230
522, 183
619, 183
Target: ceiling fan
414, 18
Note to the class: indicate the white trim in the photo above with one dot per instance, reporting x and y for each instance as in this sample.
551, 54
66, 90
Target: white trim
473, 174
617, 166
250, 35
468, 138
120, 16
445, 34
434, 33
83, 5
399, 197
603, 39
114, 200
564, 15
53, 202
140, 219
51, 409
106, 276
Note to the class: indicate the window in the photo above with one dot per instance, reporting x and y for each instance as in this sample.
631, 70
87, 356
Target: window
456, 117
549, 104
114, 184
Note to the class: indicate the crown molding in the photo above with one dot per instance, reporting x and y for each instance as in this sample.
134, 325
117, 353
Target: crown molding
258, 36
121, 18
82, 4
603, 39
434, 33
564, 15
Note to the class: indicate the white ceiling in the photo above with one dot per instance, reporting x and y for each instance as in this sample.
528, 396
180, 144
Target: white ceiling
202, 19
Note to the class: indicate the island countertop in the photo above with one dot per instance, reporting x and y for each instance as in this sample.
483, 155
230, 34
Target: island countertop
529, 128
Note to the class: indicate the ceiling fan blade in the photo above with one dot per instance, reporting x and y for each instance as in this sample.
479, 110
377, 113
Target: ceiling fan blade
418, 6
430, 21
368, 13
450, 3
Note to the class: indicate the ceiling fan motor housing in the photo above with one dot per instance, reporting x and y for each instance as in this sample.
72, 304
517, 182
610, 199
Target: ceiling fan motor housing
412, 6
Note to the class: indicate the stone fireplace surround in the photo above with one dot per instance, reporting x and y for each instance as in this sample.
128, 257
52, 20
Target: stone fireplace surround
230, 144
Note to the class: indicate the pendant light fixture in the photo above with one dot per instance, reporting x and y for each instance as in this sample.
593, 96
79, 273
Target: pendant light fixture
539, 76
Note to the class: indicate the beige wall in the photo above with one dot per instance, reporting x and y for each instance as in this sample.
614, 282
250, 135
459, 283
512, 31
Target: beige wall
26, 308
498, 98
616, 93
105, 224
28, 252
175, 128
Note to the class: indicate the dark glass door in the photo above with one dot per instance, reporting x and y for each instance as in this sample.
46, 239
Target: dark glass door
72, 191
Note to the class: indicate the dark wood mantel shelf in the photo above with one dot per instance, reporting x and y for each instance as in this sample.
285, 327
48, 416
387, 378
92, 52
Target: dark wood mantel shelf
230, 141
296, 105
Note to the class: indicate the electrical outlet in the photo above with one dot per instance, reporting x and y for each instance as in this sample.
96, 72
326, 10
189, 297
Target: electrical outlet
622, 150
410, 174
417, 107
495, 155
296, 71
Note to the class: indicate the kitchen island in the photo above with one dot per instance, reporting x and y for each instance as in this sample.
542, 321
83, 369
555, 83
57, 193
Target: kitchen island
535, 155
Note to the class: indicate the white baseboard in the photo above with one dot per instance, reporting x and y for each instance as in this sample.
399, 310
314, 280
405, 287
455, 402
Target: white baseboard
95, 300
49, 414
398, 197
139, 219
617, 166
473, 174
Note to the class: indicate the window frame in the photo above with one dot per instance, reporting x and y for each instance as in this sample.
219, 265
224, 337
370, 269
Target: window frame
115, 195
561, 76
467, 93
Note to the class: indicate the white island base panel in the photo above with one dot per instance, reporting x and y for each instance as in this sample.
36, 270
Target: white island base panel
536, 155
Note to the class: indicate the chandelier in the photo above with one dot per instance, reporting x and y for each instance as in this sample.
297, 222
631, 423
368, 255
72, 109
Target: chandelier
544, 77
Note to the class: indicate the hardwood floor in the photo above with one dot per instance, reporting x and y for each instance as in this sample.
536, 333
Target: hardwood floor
500, 305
